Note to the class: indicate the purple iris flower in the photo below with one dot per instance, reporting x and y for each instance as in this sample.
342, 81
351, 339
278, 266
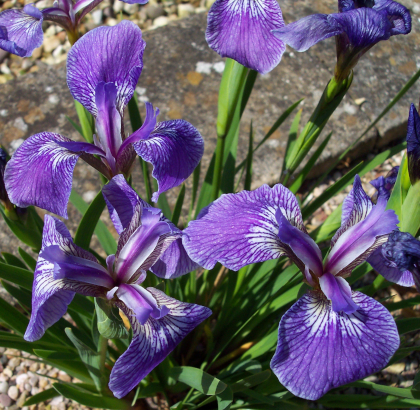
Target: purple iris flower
413, 145
398, 260
21, 30
384, 185
103, 68
242, 30
159, 322
331, 336
358, 26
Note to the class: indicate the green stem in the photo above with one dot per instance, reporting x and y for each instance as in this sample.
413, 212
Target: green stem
102, 349
146, 178
333, 94
217, 175
86, 121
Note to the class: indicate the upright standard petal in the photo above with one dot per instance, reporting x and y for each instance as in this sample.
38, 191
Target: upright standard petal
242, 30
144, 246
106, 54
40, 173
50, 297
319, 349
356, 207
108, 121
122, 202
240, 229
174, 149
356, 244
308, 31
21, 30
413, 145
304, 248
154, 341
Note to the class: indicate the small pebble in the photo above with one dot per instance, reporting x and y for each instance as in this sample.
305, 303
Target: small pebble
4, 387
5, 400
33, 381
13, 392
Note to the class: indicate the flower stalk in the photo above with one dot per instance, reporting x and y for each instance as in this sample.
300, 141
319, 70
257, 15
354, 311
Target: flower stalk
328, 103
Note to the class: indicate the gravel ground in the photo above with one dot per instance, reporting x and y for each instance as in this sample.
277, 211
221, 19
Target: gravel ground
155, 13
21, 378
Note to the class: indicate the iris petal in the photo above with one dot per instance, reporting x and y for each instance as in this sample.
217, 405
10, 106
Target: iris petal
153, 342
21, 30
240, 229
174, 149
308, 31
106, 54
50, 296
241, 30
40, 173
319, 349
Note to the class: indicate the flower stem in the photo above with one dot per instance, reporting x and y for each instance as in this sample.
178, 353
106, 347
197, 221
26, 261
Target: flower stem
217, 174
331, 98
102, 349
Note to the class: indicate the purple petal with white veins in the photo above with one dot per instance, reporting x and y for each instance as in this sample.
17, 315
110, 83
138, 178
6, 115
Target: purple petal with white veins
391, 273
242, 30
356, 207
308, 31
143, 248
141, 302
174, 262
153, 342
319, 349
135, 1
21, 30
122, 201
338, 291
106, 54
78, 147
356, 244
174, 149
50, 297
302, 245
76, 268
240, 229
40, 173
143, 132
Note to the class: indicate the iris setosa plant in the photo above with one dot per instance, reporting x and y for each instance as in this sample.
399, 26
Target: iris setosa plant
234, 296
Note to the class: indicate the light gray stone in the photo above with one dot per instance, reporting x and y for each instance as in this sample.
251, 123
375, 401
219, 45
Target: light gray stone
4, 387
154, 11
5, 400
13, 392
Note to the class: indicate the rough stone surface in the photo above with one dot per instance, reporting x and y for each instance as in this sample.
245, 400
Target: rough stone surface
182, 75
